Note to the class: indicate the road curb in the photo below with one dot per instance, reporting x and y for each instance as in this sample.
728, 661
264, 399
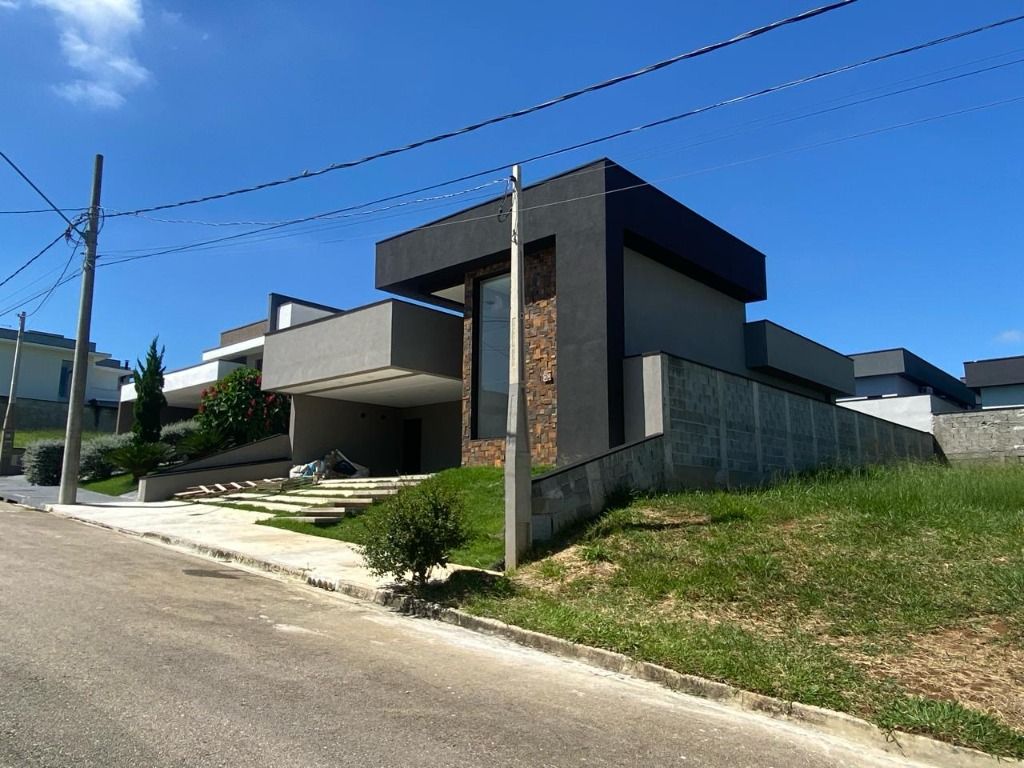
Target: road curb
848, 727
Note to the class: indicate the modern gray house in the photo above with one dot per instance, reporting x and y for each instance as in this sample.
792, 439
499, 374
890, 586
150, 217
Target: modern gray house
897, 385
998, 381
635, 329
642, 369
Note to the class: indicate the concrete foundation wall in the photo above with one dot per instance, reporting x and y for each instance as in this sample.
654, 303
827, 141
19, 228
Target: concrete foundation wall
47, 414
995, 434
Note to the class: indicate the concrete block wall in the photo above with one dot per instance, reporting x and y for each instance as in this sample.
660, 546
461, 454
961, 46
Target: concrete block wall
724, 430
581, 490
48, 414
719, 430
993, 434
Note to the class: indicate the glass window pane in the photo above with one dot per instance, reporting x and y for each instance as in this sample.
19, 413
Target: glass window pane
491, 396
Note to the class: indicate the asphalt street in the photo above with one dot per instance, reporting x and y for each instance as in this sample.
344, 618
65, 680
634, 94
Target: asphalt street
118, 652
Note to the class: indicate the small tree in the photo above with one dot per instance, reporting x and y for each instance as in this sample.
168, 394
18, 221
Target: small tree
414, 531
239, 411
149, 395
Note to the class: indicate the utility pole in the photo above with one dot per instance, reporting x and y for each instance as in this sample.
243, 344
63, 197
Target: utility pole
80, 371
7, 438
517, 438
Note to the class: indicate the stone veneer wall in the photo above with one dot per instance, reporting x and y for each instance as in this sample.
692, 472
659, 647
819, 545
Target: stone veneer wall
993, 434
540, 325
721, 430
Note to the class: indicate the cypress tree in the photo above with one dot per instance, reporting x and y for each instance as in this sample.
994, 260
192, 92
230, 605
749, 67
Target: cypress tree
149, 395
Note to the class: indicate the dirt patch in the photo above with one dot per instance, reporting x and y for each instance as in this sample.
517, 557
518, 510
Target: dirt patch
569, 567
977, 666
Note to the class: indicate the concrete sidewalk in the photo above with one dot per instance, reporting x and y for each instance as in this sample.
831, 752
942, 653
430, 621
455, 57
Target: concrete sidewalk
233, 534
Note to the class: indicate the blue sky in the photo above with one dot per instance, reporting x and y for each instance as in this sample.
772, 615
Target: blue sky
909, 237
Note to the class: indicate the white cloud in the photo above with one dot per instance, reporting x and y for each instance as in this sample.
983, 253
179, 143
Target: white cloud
1012, 336
9, 5
96, 39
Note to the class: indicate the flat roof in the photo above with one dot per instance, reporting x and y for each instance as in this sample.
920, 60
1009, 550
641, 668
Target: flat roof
994, 372
43, 339
586, 205
902, 362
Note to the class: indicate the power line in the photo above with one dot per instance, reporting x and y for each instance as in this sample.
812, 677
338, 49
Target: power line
20, 269
57, 282
619, 134
788, 151
37, 189
764, 122
756, 32
331, 215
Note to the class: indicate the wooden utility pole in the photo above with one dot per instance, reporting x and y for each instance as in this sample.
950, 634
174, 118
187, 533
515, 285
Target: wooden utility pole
7, 437
517, 438
80, 371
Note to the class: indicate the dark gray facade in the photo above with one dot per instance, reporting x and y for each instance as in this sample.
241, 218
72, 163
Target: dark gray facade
995, 372
597, 218
591, 215
901, 372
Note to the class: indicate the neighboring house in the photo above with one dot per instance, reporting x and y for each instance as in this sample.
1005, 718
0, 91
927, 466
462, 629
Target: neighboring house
623, 283
240, 347
998, 381
44, 381
899, 386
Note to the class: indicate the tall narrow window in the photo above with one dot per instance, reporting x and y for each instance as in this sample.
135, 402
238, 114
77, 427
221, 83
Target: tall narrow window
64, 386
490, 397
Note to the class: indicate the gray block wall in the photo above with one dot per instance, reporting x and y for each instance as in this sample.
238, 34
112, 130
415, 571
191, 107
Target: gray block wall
720, 430
995, 434
763, 432
48, 414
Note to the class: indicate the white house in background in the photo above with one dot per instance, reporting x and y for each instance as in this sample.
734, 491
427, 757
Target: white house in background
44, 381
898, 386
240, 347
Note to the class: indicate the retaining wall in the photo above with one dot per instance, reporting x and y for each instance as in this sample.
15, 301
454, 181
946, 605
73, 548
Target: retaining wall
718, 430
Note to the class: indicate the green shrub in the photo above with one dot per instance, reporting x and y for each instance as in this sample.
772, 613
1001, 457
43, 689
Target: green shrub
414, 531
174, 434
140, 458
95, 463
42, 462
240, 411
202, 442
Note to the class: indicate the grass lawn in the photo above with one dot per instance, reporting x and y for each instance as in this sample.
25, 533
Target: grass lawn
112, 486
896, 594
482, 490
22, 437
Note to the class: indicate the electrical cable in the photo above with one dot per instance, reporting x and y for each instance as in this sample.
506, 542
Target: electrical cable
792, 150
618, 134
756, 32
20, 269
37, 189
58, 281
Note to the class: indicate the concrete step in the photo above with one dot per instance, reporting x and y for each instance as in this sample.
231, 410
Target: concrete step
304, 499
343, 493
